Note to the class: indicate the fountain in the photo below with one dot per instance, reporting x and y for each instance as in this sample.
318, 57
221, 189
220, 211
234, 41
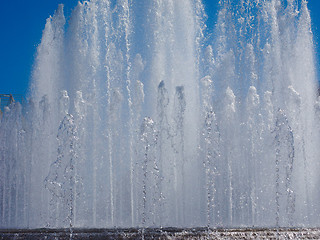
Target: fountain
138, 119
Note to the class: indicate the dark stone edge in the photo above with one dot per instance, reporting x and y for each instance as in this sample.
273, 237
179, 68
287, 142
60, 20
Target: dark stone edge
160, 233
164, 229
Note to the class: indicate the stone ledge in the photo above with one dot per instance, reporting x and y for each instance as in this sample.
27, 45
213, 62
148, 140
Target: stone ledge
157, 233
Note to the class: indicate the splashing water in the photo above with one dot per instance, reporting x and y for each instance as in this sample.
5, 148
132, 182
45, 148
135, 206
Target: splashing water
136, 119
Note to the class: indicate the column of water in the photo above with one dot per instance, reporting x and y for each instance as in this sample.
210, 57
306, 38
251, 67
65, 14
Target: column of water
166, 167
47, 78
304, 68
179, 165
228, 134
76, 74
285, 153
79, 113
253, 125
110, 109
211, 150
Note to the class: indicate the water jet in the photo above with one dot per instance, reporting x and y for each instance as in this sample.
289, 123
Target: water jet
137, 119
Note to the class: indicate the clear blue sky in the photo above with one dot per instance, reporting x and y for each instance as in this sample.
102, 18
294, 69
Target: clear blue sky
22, 22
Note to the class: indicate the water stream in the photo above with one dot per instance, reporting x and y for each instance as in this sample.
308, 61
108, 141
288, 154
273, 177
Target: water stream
138, 118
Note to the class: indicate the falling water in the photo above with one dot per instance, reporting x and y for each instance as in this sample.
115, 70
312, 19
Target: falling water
138, 118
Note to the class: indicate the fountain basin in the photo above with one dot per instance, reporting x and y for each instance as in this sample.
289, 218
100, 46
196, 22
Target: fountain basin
162, 233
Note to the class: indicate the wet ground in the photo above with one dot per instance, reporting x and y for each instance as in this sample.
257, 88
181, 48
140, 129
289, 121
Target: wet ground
156, 233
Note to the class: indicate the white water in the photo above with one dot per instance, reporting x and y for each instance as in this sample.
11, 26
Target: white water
136, 119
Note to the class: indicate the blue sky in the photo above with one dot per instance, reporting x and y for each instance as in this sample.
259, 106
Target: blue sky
22, 22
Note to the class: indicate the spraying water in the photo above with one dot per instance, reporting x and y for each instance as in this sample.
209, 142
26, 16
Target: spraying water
135, 121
